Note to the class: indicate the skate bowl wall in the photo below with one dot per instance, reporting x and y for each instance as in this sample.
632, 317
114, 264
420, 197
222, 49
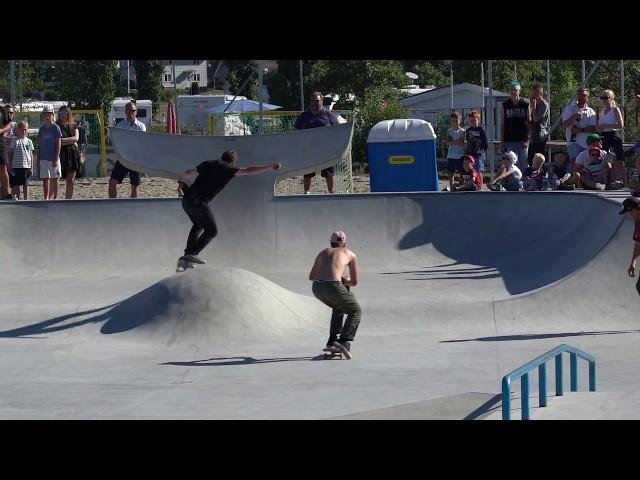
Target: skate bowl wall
531, 239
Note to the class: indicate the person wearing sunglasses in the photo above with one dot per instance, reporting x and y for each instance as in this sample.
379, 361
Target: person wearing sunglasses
610, 124
317, 116
593, 166
579, 121
119, 170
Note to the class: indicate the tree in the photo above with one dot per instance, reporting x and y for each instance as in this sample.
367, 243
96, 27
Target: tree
239, 72
149, 80
428, 74
88, 83
381, 102
284, 85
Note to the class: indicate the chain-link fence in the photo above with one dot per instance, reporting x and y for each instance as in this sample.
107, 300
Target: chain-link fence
91, 142
248, 123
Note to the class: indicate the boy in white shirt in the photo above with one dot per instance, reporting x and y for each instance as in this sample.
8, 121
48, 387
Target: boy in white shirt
509, 176
21, 164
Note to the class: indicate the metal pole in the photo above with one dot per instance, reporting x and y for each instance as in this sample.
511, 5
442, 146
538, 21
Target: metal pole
128, 77
549, 86
491, 150
573, 371
559, 389
12, 63
451, 82
515, 70
622, 96
482, 85
260, 95
524, 393
583, 77
175, 90
301, 89
20, 84
542, 385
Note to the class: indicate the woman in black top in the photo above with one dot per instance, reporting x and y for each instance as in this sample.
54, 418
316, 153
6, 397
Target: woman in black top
69, 154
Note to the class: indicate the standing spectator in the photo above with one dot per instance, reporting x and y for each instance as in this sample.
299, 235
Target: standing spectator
476, 141
509, 176
49, 144
610, 123
6, 127
631, 206
317, 116
455, 142
515, 132
120, 171
69, 154
560, 174
579, 120
533, 175
21, 155
538, 122
327, 103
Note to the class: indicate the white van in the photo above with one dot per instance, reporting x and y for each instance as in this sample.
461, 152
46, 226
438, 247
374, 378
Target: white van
145, 112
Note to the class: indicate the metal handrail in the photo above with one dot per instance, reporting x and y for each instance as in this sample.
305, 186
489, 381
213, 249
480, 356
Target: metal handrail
540, 362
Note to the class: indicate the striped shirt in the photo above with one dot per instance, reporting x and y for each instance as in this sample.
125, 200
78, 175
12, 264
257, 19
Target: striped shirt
23, 153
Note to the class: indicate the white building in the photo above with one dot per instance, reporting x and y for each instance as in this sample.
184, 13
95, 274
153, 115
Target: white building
187, 72
435, 104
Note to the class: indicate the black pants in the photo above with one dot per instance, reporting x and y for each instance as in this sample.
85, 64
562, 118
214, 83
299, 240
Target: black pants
204, 226
613, 139
536, 148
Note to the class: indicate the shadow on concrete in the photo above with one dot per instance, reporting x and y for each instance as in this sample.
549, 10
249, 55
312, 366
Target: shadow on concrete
126, 315
508, 338
485, 409
528, 253
226, 361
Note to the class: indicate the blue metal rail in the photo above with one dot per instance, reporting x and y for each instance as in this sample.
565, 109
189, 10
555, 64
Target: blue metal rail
540, 362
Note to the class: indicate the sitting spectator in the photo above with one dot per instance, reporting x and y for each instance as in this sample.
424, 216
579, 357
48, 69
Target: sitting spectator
471, 179
21, 155
533, 175
594, 168
476, 140
509, 176
560, 175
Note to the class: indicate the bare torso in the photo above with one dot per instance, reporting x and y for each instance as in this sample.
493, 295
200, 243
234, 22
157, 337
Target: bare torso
330, 264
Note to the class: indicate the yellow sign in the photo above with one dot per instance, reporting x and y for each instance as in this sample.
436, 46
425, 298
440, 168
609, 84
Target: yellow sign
402, 159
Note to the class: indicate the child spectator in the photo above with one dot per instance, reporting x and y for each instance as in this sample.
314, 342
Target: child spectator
471, 179
455, 141
560, 175
509, 176
21, 155
476, 141
533, 175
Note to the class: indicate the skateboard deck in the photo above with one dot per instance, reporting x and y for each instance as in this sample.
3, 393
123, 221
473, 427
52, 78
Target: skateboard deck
331, 353
184, 265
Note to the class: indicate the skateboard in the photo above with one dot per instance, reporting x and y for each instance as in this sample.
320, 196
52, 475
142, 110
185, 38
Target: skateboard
331, 353
183, 265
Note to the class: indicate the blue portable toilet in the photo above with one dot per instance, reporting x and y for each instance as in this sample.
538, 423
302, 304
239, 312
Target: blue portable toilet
402, 156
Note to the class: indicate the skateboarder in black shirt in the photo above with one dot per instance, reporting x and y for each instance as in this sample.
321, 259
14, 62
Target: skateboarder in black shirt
197, 188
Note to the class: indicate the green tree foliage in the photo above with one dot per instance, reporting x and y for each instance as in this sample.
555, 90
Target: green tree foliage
284, 85
149, 80
429, 74
381, 102
88, 83
239, 71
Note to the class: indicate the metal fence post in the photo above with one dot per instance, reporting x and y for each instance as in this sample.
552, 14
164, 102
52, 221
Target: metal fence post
506, 399
524, 390
542, 384
573, 368
559, 375
592, 376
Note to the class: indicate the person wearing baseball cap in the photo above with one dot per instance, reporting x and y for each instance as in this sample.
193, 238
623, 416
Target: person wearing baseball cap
593, 166
579, 120
49, 145
331, 287
509, 176
631, 208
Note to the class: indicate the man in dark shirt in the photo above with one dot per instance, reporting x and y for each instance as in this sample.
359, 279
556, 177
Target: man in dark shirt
317, 116
631, 207
515, 130
197, 188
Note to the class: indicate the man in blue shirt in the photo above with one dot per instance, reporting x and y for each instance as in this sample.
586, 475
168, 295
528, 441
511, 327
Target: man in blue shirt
317, 116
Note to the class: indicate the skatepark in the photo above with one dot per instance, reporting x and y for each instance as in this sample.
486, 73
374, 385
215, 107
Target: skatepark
456, 291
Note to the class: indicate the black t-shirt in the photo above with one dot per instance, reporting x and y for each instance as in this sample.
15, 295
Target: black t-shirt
515, 121
213, 176
560, 171
476, 140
